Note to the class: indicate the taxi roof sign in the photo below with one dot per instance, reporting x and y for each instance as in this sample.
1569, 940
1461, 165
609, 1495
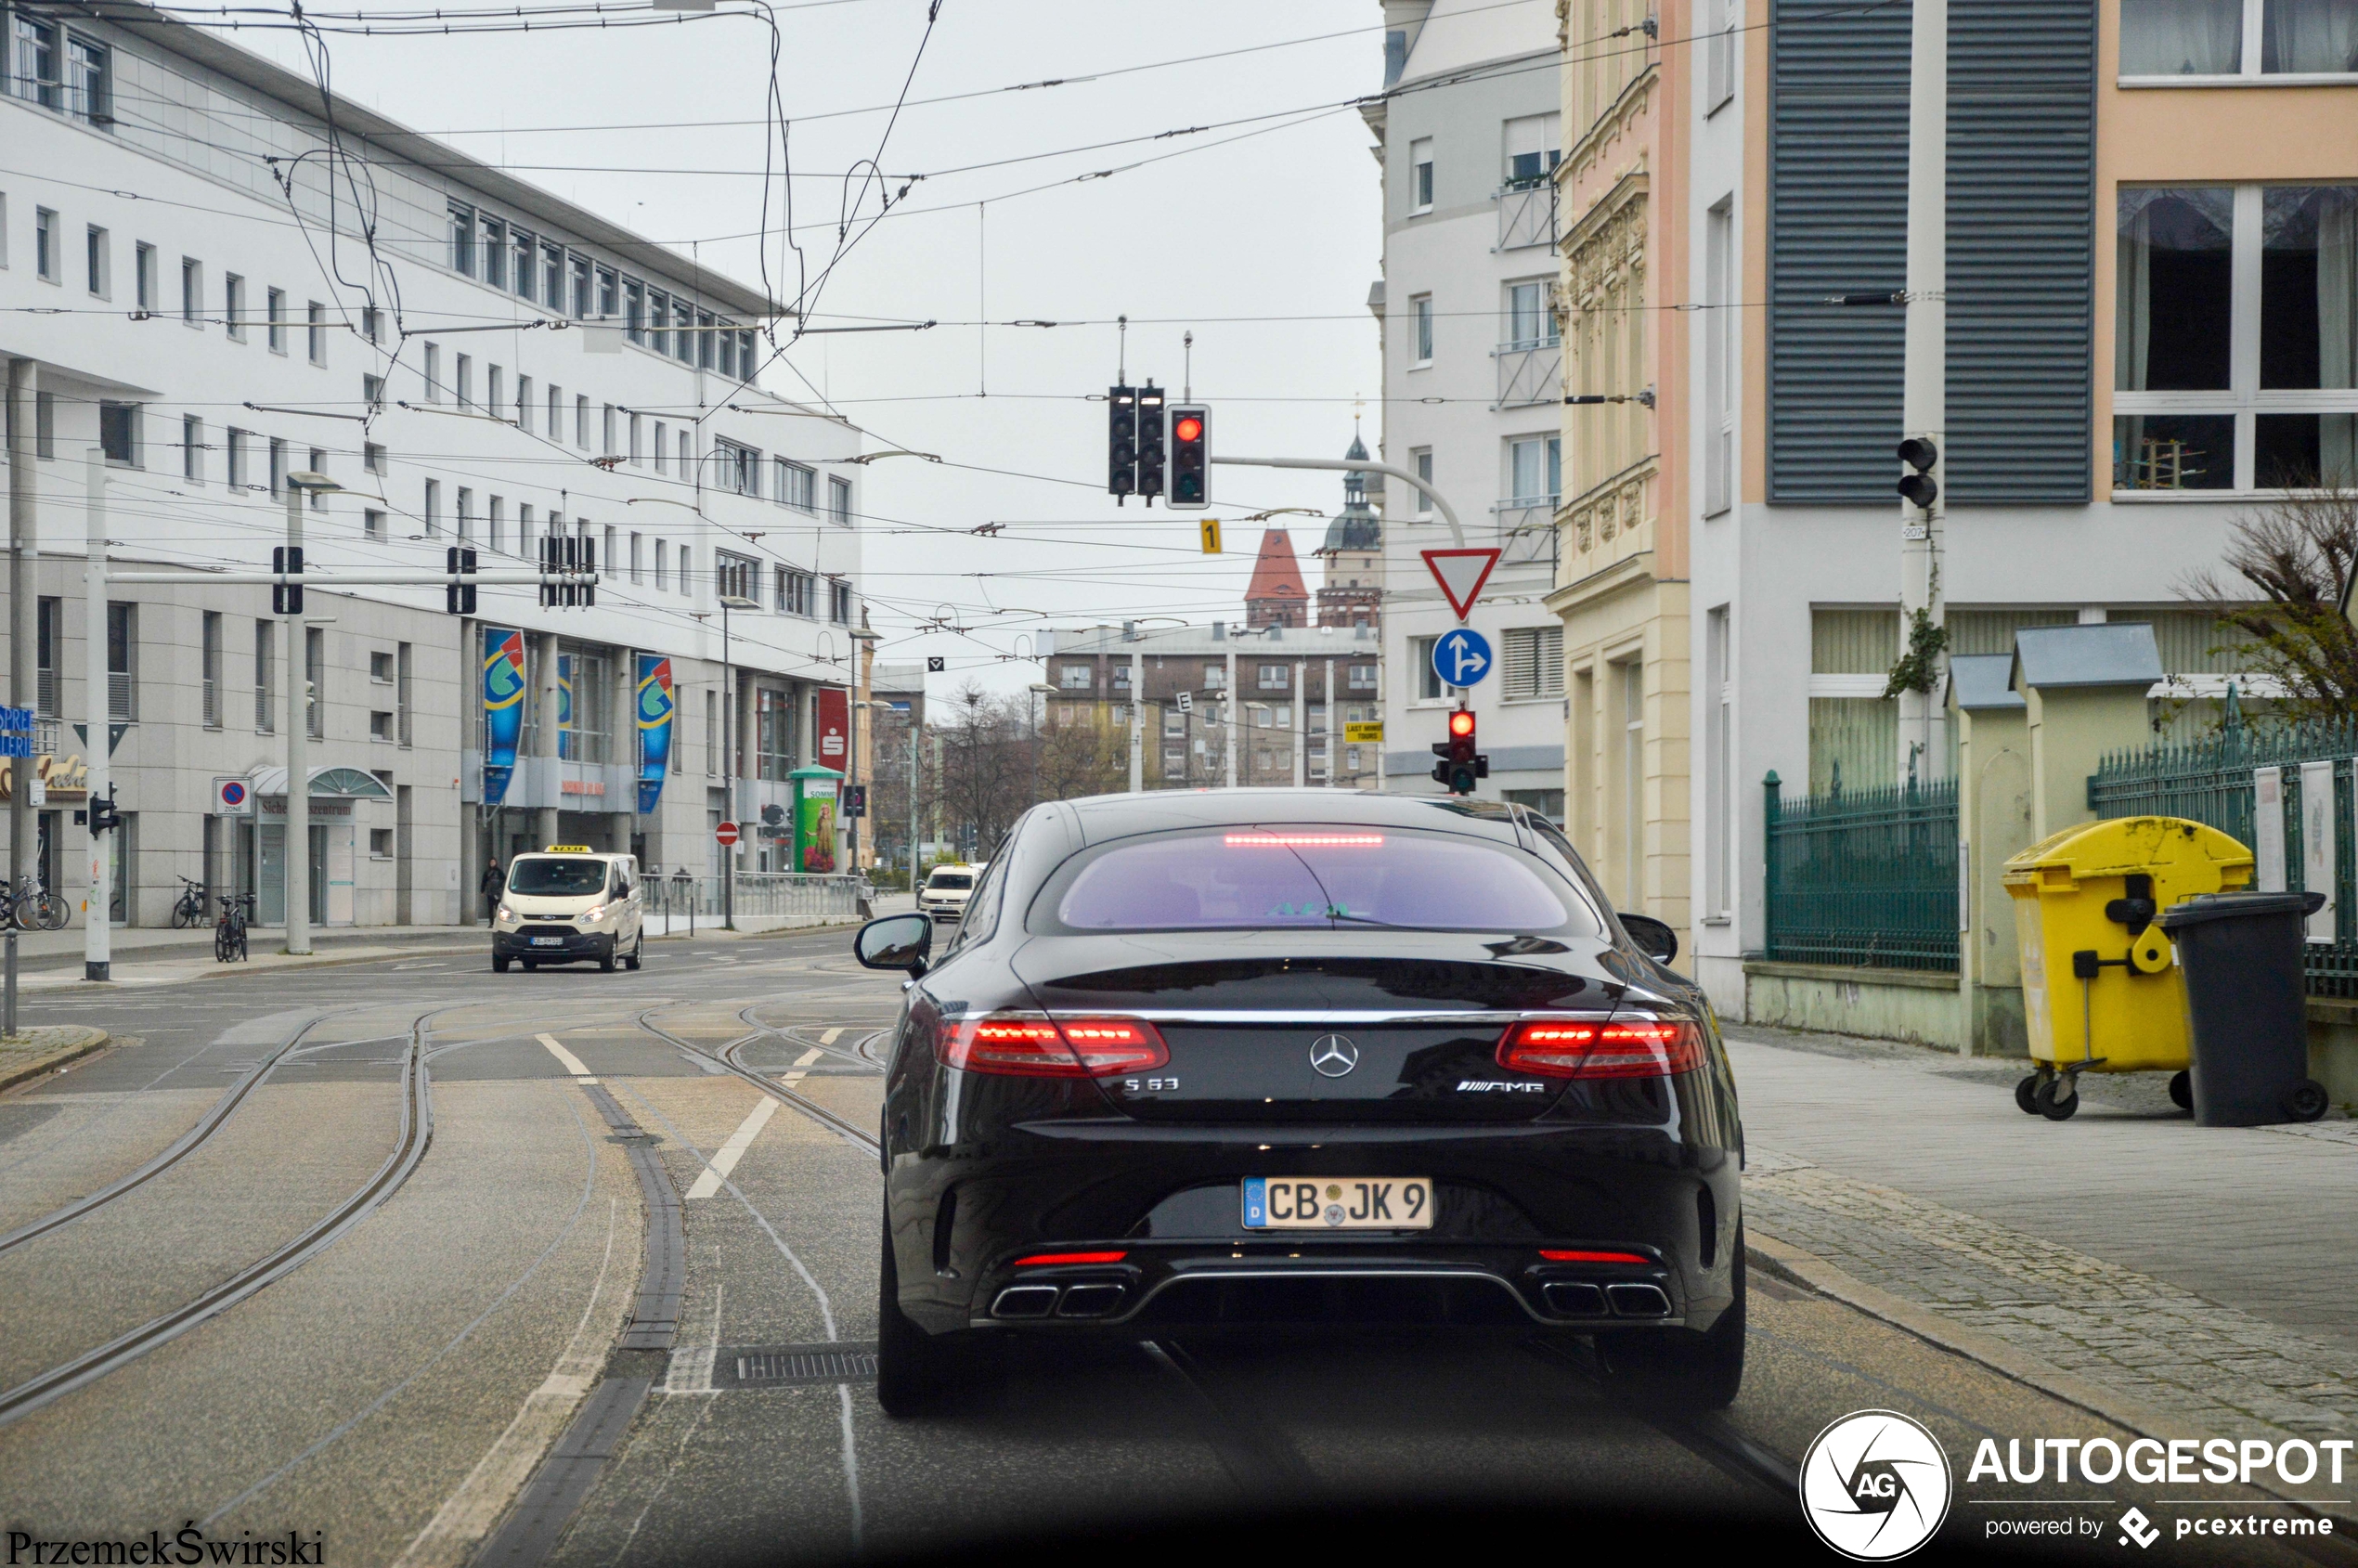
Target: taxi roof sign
567, 849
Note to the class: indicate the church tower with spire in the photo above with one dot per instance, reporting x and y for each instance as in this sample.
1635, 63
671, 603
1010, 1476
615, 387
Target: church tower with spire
1351, 594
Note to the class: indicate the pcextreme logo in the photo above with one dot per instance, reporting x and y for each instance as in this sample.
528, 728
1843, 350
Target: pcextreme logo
1875, 1485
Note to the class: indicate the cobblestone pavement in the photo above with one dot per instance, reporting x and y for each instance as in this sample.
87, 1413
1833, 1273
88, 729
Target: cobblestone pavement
2094, 1244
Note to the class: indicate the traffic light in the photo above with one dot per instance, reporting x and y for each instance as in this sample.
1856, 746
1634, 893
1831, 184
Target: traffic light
1919, 488
569, 553
458, 598
286, 599
1460, 764
855, 801
1190, 457
553, 554
104, 815
1121, 454
1151, 446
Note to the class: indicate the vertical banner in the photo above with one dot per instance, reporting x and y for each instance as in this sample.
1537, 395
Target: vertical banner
503, 690
566, 745
835, 728
815, 825
657, 705
2317, 844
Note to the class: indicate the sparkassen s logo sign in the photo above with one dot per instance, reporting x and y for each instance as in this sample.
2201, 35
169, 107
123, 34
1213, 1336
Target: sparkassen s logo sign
1875, 1485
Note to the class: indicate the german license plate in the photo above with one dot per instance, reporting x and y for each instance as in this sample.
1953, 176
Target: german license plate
1337, 1203
548, 942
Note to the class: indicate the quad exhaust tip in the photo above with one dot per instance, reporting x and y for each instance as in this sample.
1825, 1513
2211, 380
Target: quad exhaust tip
1577, 1298
1089, 1299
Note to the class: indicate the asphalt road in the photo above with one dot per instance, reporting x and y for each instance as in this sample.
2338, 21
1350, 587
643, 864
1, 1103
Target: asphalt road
246, 1291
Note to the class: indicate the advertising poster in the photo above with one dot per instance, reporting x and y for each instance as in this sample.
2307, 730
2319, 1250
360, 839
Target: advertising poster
566, 745
658, 706
815, 826
502, 709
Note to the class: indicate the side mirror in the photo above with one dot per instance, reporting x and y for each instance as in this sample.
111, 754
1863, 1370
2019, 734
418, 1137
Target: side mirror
898, 942
1654, 938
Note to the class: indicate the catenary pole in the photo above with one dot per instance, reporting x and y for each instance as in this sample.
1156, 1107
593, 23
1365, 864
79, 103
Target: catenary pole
1924, 413
22, 678
1229, 720
297, 858
1137, 721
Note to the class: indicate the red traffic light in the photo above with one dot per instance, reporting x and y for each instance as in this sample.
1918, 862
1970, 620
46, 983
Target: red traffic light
1189, 428
1461, 723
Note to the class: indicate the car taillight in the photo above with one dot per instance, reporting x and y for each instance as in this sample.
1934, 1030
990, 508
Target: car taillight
1033, 1045
1637, 1047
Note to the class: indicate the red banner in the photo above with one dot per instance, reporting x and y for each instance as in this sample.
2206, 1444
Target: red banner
835, 728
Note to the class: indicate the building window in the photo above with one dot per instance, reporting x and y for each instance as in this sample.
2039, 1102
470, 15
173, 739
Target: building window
276, 302
233, 306
663, 568
95, 261
1077, 677
1720, 21
431, 370
372, 523
318, 464
1421, 328
465, 382
736, 577
87, 88
380, 843
277, 467
380, 725
520, 244
495, 390
33, 70
462, 239
1420, 464
839, 502
1420, 174
211, 669
581, 422
1215, 676
496, 519
466, 514
1534, 656
797, 592
119, 434
372, 457
839, 602
523, 404
578, 268
143, 269
738, 468
1721, 372
556, 430
192, 448
191, 291
2177, 39
1533, 150
122, 663
1535, 470
2230, 298
1530, 324
634, 558
1363, 677
552, 275
1273, 678
796, 485
434, 506
492, 253
45, 244
380, 667
237, 462
773, 734
265, 668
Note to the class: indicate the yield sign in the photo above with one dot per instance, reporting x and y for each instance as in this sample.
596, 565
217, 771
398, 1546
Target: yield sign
1460, 574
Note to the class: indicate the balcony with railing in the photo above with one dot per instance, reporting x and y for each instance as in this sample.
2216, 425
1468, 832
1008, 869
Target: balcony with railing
1530, 372
1527, 212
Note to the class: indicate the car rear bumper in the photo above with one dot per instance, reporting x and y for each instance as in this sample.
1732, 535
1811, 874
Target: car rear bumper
1173, 1208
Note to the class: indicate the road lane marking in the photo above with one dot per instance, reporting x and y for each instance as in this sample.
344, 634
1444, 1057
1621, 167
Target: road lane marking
571, 1063
829, 1038
725, 1157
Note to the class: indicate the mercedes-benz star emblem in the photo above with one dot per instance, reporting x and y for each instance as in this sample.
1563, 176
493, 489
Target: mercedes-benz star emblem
1333, 1055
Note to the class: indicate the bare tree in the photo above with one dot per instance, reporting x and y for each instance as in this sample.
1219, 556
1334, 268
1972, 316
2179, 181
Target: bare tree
2299, 552
986, 766
1083, 758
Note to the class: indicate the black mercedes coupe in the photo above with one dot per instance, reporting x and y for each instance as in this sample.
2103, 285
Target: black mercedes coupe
1253, 1059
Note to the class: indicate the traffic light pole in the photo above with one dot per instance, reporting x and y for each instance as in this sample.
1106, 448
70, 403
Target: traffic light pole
296, 857
97, 934
1924, 413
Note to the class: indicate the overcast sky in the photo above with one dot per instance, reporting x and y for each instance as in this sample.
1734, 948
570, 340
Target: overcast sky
1265, 246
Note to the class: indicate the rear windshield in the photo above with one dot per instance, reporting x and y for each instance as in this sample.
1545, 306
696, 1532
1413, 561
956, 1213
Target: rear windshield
957, 879
1313, 876
557, 878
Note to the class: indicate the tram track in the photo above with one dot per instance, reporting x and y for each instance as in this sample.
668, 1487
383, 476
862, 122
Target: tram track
726, 1058
416, 1133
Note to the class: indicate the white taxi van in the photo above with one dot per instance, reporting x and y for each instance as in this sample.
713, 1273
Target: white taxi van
945, 892
569, 904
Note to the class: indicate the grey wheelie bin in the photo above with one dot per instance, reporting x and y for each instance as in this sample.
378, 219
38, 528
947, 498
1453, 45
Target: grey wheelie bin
2246, 1007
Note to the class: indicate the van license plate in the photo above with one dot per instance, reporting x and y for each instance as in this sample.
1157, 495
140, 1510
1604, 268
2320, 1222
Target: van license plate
1337, 1203
548, 942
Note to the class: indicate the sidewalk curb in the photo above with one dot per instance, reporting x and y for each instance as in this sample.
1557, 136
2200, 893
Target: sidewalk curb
1786, 1262
25, 1072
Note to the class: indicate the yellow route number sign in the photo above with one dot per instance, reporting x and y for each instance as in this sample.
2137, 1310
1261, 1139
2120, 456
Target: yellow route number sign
1212, 535
1360, 733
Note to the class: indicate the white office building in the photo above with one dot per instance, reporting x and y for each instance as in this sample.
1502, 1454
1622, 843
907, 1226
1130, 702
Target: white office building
477, 363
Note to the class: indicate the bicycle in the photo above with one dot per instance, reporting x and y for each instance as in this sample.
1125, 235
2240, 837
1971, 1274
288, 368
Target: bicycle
192, 908
37, 909
229, 931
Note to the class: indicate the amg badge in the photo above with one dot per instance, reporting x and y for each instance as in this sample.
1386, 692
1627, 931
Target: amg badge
1482, 1085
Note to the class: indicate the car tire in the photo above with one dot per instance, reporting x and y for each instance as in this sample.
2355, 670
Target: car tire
499, 964
1678, 1369
2182, 1090
637, 949
606, 959
919, 1373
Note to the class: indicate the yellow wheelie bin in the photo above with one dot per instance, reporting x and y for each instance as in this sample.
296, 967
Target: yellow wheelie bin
2101, 987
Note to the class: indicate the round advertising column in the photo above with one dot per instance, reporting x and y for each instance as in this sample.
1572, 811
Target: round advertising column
815, 806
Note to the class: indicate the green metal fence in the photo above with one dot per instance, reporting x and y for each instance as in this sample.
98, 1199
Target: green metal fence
1864, 876
2211, 781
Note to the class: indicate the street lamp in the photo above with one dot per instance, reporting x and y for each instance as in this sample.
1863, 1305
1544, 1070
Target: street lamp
866, 641
298, 829
866, 457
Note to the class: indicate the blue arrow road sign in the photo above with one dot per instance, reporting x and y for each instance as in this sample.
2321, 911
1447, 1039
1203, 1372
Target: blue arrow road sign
1461, 658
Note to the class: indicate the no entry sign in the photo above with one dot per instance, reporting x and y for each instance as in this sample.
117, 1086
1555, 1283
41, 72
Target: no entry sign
726, 832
